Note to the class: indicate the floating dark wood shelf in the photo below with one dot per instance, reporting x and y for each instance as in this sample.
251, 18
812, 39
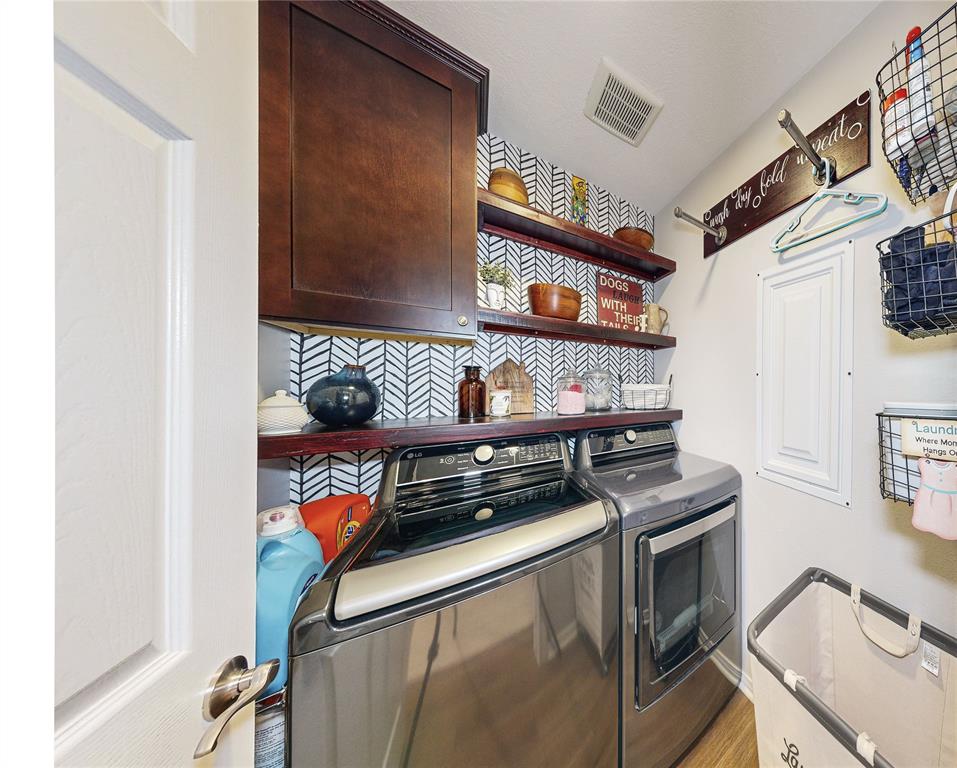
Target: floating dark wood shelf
499, 216
396, 433
568, 330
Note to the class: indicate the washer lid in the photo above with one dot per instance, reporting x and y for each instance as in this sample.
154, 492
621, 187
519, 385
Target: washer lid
656, 490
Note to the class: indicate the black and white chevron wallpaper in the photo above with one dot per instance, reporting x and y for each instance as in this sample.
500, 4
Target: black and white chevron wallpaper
419, 379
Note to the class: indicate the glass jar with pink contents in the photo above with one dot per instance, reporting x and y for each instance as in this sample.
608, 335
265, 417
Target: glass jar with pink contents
571, 393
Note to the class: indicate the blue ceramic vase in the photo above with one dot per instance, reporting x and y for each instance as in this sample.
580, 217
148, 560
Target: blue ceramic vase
345, 398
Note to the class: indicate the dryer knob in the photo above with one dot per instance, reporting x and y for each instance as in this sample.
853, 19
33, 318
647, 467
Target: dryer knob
483, 454
484, 513
630, 435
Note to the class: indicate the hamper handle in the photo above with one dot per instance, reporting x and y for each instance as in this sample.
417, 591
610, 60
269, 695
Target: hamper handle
894, 649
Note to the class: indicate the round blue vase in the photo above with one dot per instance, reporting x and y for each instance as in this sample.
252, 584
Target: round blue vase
345, 398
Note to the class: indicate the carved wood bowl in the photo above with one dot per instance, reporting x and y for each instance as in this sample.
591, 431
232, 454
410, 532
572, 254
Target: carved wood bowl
549, 300
507, 183
636, 236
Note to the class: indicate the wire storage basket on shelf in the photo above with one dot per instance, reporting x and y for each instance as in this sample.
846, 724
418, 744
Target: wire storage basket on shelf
919, 279
918, 98
900, 475
646, 397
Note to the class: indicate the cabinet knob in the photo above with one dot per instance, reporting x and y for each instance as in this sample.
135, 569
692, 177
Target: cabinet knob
462, 320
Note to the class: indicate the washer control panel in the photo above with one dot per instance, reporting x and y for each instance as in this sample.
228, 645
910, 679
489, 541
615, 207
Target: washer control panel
641, 436
439, 462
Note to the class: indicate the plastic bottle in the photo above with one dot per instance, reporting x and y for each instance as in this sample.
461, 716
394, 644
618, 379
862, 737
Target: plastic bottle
922, 118
288, 561
898, 140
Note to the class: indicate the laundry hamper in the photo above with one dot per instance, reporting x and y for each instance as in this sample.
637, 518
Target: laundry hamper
844, 679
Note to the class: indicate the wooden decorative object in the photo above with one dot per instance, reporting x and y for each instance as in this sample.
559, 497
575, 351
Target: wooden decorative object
507, 183
550, 300
786, 181
636, 236
510, 375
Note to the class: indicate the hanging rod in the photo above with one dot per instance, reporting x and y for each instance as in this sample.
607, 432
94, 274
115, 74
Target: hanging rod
818, 173
720, 234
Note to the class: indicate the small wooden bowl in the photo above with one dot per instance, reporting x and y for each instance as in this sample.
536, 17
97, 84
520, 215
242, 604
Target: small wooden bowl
507, 183
549, 300
636, 236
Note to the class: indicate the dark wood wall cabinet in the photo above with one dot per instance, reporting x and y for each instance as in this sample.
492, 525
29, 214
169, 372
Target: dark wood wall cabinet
367, 197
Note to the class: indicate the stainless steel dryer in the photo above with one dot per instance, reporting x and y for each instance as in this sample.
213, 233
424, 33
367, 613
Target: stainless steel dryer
681, 584
472, 621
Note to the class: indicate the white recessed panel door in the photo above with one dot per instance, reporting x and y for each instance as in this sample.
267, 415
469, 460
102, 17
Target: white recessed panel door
156, 268
804, 367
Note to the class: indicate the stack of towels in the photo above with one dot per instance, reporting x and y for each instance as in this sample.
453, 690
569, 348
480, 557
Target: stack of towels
921, 282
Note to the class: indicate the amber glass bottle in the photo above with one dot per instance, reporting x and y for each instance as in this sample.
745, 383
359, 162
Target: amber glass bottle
471, 393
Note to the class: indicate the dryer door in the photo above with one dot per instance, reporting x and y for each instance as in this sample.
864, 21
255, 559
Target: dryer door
687, 578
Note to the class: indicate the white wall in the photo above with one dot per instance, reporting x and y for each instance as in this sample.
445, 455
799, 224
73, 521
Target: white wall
713, 308
272, 481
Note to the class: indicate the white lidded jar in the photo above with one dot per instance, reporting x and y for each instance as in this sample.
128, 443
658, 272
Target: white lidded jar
922, 118
281, 414
898, 139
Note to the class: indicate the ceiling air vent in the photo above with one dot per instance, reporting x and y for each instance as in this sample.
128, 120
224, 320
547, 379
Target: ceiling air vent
619, 104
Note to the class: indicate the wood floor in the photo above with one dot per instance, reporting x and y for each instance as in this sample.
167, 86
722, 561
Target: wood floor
729, 742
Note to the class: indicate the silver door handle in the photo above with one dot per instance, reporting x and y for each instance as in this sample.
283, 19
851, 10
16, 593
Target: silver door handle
232, 688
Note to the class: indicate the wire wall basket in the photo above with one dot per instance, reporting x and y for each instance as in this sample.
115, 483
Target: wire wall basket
918, 97
900, 475
919, 279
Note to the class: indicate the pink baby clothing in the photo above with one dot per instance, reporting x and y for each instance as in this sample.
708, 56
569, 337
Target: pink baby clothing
935, 505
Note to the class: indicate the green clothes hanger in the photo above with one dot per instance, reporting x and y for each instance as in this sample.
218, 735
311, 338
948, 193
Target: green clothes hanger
826, 194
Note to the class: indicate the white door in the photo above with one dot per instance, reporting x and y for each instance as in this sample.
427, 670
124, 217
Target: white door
156, 269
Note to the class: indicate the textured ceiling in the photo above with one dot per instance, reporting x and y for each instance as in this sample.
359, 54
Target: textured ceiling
717, 66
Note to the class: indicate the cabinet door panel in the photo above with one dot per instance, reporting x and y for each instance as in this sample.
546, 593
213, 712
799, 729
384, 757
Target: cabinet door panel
368, 174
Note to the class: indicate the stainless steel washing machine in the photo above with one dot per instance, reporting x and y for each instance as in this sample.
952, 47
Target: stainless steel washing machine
681, 584
473, 621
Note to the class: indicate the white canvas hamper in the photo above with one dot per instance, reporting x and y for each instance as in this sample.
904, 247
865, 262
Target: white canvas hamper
834, 690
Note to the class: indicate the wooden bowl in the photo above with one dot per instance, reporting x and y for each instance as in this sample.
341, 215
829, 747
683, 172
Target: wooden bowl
548, 300
636, 236
507, 183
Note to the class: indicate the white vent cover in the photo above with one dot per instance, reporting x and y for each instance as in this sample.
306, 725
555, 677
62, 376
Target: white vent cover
619, 104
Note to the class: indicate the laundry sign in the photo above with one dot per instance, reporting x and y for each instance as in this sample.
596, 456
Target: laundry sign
933, 438
786, 181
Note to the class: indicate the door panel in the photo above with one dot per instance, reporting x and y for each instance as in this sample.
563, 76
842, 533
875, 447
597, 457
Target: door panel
155, 129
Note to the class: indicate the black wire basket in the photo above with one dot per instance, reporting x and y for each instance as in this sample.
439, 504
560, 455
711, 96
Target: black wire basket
919, 279
900, 477
919, 130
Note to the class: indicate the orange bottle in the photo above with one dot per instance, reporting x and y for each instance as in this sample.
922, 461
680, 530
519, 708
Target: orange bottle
334, 519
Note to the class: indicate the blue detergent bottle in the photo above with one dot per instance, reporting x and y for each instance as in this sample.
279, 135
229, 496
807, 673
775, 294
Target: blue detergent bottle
288, 561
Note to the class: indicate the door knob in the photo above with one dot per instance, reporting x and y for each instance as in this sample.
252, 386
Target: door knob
232, 688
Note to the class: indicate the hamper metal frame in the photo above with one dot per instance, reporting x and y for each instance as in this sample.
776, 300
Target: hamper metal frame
827, 717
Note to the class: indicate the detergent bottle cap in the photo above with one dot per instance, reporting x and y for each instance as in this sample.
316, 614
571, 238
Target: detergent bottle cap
278, 520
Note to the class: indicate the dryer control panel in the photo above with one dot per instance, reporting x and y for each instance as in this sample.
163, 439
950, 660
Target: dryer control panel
640, 438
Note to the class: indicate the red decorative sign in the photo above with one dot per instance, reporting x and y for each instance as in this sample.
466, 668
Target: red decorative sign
619, 302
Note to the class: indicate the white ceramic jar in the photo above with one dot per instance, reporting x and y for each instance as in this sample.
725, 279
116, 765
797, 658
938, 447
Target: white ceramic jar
281, 414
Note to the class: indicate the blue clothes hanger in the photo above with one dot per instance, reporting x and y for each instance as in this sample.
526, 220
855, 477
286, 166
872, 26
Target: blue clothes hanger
825, 194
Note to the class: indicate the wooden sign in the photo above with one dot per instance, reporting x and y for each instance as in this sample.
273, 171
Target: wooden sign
619, 302
513, 377
933, 438
786, 181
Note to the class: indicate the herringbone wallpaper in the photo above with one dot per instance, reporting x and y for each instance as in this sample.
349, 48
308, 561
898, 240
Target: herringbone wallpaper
418, 379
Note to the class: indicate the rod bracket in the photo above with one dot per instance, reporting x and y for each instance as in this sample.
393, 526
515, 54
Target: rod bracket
822, 173
720, 234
